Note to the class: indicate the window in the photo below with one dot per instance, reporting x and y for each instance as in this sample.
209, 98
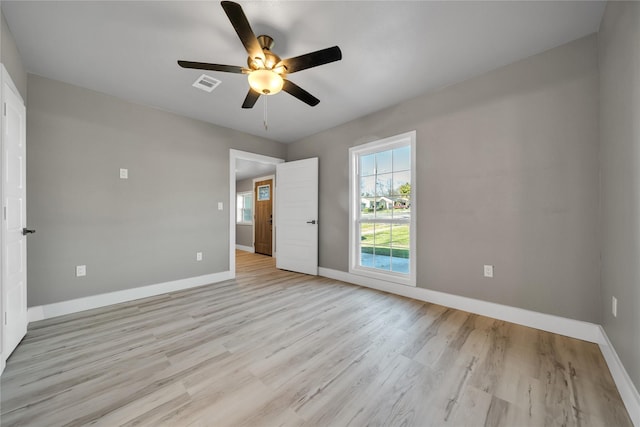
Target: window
382, 225
244, 210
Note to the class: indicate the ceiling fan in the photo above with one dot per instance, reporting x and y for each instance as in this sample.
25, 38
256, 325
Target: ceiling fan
267, 73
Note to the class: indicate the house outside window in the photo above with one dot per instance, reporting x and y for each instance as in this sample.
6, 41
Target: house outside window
244, 208
382, 209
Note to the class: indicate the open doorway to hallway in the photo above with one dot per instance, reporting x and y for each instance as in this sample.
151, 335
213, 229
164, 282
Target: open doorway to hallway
251, 222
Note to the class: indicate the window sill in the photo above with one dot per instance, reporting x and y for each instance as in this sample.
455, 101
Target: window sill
399, 278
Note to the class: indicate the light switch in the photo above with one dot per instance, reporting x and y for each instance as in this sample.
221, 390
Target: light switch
220, 206
81, 270
124, 173
488, 271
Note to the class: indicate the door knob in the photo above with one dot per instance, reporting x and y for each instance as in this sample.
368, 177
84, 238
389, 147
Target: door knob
313, 221
26, 231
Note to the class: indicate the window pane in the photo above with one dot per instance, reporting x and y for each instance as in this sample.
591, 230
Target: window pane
383, 200
384, 184
382, 235
400, 237
402, 159
402, 184
400, 248
367, 208
248, 200
368, 186
366, 244
247, 215
401, 209
400, 261
383, 162
367, 165
381, 259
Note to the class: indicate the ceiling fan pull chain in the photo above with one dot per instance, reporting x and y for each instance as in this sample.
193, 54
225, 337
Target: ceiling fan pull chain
266, 126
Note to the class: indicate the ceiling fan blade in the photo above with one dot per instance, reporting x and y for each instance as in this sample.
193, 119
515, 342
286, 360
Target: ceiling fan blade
250, 100
313, 59
241, 25
295, 90
213, 67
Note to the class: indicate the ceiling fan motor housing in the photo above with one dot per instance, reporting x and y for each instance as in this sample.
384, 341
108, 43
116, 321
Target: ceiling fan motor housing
270, 58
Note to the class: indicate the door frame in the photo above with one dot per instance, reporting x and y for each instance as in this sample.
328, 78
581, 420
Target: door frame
273, 211
233, 156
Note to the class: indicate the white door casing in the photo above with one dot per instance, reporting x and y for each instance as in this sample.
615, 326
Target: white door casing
14, 245
297, 216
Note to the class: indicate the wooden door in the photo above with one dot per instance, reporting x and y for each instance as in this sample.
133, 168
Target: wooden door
297, 216
263, 216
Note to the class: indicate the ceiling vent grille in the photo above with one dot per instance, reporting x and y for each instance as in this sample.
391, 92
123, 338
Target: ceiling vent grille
206, 83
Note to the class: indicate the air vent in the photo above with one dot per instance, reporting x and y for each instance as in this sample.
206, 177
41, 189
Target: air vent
206, 83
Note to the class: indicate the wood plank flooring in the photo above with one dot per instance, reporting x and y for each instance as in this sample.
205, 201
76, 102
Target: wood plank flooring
275, 348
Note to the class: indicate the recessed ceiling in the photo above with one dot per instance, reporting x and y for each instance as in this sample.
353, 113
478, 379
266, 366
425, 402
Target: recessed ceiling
392, 51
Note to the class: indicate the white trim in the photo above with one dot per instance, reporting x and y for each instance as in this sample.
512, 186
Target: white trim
245, 248
95, 301
233, 155
626, 388
546, 322
396, 141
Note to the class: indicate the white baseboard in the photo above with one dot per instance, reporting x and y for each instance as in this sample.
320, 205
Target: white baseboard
547, 322
95, 301
626, 388
245, 248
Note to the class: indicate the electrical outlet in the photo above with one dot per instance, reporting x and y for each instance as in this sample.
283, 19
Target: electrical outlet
614, 306
488, 271
124, 173
81, 270
198, 256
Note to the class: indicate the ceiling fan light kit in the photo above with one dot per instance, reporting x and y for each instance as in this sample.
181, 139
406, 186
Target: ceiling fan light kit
267, 73
265, 82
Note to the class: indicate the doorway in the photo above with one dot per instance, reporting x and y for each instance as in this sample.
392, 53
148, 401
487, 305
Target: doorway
240, 162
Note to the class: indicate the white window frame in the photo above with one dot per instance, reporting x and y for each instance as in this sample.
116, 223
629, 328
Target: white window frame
402, 140
238, 208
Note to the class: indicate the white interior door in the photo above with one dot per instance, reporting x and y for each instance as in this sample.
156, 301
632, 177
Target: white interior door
14, 245
297, 216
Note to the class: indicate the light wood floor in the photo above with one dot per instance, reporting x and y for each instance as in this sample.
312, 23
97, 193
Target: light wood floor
277, 348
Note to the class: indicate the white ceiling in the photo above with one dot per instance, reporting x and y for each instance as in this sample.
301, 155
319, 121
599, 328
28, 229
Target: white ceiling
392, 51
253, 169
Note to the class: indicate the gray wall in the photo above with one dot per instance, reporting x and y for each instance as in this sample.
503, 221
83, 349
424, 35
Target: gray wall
129, 233
11, 59
244, 233
507, 171
620, 178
